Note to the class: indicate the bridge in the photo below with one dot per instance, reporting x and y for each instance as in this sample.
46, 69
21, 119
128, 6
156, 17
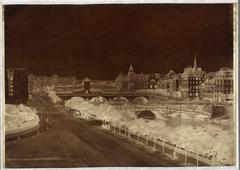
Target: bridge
107, 95
131, 96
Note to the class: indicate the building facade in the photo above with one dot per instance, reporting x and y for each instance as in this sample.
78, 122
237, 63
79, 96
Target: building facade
131, 81
207, 90
16, 85
170, 82
224, 85
191, 79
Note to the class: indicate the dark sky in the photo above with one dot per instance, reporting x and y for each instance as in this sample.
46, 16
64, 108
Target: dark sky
99, 41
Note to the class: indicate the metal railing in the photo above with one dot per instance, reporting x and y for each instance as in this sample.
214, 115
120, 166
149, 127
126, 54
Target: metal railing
160, 146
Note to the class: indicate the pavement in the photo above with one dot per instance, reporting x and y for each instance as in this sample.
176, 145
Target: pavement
72, 142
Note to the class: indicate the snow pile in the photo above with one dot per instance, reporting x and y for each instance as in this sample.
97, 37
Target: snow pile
194, 134
201, 137
207, 140
74, 102
159, 114
98, 99
53, 96
103, 111
49, 90
140, 100
19, 117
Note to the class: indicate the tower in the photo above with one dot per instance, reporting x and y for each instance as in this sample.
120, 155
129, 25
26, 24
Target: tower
195, 61
130, 69
130, 77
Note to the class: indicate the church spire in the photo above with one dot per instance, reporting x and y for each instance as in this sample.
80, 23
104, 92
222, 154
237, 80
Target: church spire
195, 61
130, 68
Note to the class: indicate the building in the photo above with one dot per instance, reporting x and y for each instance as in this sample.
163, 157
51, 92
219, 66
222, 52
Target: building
166, 81
131, 81
175, 83
207, 90
170, 83
191, 79
210, 75
154, 80
86, 85
16, 86
224, 85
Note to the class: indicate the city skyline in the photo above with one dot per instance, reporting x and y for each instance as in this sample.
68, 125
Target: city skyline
120, 85
100, 41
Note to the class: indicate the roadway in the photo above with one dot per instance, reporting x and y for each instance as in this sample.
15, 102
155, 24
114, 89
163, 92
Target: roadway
76, 143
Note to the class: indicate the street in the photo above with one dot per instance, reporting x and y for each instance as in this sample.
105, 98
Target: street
72, 142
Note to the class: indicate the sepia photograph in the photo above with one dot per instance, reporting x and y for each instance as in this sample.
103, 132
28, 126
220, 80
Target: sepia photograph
119, 85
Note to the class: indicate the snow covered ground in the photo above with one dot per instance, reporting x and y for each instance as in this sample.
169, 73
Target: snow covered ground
102, 110
206, 139
191, 132
19, 117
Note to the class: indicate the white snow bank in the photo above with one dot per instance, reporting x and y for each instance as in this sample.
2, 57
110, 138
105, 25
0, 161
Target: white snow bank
53, 96
73, 102
98, 99
19, 117
207, 140
103, 111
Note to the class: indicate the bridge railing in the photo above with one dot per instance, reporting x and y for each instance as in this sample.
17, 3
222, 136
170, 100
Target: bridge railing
163, 147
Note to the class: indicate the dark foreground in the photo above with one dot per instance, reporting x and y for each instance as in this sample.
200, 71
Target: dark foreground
76, 143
